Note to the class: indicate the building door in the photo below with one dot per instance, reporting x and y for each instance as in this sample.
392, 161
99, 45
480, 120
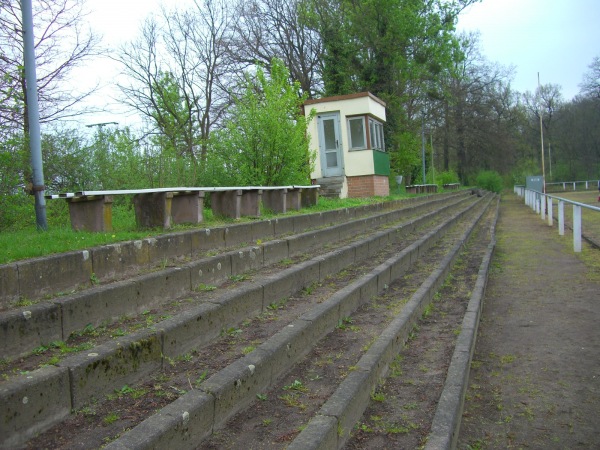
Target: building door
330, 147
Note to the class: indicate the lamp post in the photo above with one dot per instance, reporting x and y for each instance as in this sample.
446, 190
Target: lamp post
423, 145
33, 115
542, 139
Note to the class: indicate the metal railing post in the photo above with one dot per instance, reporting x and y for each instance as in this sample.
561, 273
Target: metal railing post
577, 228
543, 203
561, 218
550, 212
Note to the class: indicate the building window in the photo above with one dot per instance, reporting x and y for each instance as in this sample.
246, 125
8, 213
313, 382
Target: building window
376, 132
358, 136
360, 139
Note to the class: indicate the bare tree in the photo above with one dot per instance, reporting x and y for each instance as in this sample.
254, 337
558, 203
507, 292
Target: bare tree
61, 44
590, 86
177, 71
269, 29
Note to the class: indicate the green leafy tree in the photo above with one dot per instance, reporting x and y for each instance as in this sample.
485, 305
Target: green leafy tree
264, 141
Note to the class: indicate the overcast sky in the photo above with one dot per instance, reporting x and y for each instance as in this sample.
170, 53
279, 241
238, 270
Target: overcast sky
556, 38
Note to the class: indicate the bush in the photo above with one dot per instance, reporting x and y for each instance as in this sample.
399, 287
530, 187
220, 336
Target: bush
490, 180
447, 177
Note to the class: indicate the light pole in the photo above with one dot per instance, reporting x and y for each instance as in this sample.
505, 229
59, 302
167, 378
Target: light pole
33, 115
542, 138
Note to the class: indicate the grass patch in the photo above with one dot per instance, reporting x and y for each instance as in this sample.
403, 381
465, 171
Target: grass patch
29, 242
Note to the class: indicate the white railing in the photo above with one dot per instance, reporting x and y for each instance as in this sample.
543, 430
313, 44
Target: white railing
543, 203
573, 185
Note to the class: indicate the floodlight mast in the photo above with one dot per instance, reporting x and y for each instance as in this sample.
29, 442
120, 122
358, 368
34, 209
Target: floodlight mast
33, 115
542, 138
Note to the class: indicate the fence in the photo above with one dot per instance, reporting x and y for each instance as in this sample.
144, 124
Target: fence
572, 186
543, 204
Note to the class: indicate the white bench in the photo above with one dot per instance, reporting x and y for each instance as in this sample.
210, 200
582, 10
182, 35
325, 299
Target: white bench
162, 207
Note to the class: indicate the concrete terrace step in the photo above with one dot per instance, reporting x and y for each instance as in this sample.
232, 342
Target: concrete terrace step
137, 355
26, 328
194, 416
66, 272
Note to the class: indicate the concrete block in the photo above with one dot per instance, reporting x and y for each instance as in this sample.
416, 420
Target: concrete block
304, 222
336, 262
114, 260
361, 250
323, 318
153, 210
368, 287
246, 259
275, 251
167, 246
250, 202
349, 401
235, 387
312, 239
377, 242
320, 434
187, 207
9, 285
210, 271
350, 299
236, 203
207, 239
192, 329
155, 287
99, 305
309, 197
275, 200
240, 303
293, 200
238, 235
91, 213
112, 365
399, 267
24, 329
288, 281
283, 225
288, 345
383, 276
262, 230
52, 274
32, 403
334, 217
182, 424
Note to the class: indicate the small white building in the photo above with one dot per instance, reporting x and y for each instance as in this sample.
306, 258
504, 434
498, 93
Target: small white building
347, 135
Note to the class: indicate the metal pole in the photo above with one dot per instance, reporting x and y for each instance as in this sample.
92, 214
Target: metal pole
432, 161
542, 139
35, 144
423, 146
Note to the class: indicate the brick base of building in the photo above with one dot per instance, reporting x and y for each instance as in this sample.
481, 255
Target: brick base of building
368, 186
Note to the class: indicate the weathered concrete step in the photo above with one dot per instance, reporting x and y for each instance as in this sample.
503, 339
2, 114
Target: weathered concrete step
194, 416
39, 277
125, 360
331, 427
26, 328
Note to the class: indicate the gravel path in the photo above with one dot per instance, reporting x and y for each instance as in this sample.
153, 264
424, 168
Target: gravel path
535, 376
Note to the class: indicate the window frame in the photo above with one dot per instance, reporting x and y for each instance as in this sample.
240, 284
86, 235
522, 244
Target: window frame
365, 137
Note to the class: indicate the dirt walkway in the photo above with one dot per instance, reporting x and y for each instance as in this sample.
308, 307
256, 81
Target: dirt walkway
535, 376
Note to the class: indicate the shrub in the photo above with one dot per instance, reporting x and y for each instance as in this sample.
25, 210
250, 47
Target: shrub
490, 180
446, 177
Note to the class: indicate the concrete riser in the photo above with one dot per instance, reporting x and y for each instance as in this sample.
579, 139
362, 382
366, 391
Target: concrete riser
27, 328
38, 277
236, 386
123, 361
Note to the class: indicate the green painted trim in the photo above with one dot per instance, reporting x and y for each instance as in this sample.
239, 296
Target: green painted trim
381, 163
